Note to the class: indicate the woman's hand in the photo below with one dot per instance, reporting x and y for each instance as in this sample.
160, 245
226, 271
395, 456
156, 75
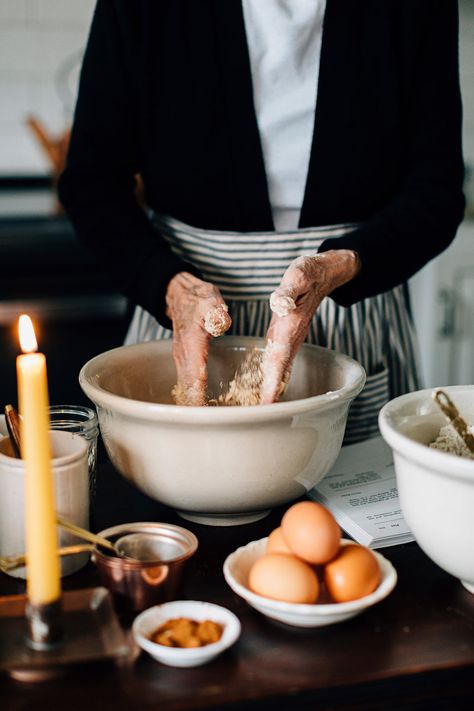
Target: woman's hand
304, 285
198, 313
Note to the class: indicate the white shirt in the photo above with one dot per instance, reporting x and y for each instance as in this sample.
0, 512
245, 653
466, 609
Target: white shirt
284, 41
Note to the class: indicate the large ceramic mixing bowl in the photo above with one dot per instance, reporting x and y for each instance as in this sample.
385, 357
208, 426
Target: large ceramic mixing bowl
220, 465
436, 489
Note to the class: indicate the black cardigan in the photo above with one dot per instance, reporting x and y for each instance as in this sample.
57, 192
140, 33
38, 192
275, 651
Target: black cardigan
166, 91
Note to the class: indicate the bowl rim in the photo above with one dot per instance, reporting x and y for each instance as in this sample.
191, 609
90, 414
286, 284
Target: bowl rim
57, 462
445, 463
143, 410
187, 608
321, 610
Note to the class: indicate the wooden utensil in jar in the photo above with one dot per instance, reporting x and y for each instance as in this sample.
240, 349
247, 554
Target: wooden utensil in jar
450, 410
12, 420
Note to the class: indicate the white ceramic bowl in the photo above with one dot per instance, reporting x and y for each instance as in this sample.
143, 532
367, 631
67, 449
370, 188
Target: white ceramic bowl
220, 465
436, 489
149, 621
236, 571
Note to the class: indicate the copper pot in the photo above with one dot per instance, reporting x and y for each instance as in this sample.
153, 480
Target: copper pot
136, 585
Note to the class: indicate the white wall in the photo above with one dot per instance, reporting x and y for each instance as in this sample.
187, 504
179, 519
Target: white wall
442, 294
39, 41
466, 37
39, 38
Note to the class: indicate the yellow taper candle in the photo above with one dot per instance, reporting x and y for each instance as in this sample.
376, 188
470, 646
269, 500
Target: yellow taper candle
43, 573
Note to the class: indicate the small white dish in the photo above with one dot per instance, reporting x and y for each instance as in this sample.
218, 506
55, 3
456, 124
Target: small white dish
148, 621
236, 570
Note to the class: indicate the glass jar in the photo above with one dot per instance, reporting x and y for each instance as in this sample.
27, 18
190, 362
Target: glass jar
83, 421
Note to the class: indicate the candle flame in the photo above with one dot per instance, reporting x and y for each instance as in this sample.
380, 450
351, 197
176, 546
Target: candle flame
26, 333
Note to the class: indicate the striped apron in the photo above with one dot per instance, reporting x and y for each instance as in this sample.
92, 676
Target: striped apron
246, 267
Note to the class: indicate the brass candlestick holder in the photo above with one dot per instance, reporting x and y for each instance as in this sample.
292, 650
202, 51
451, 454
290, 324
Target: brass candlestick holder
38, 644
45, 626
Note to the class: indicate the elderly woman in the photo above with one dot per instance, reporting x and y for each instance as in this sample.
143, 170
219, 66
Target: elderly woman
304, 149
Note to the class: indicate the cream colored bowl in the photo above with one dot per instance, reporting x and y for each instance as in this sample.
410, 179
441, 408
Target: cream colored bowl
220, 465
436, 489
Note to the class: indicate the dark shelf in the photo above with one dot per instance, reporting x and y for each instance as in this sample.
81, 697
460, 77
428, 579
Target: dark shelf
41, 256
46, 271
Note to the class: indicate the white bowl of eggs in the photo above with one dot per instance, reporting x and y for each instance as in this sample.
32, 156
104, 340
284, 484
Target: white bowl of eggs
305, 575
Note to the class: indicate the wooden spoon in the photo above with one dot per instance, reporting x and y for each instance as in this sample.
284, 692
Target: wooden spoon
450, 410
12, 420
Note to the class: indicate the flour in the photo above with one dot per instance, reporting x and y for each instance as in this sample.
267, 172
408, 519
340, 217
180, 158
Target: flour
448, 440
281, 305
246, 386
243, 389
191, 395
217, 320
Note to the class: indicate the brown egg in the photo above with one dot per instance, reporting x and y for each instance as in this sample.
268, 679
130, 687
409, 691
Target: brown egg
284, 577
352, 574
276, 543
311, 532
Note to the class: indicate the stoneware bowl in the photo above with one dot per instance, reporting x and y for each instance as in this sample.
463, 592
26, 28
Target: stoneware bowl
150, 620
236, 572
436, 489
220, 465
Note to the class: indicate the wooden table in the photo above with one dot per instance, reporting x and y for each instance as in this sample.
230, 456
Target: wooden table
414, 650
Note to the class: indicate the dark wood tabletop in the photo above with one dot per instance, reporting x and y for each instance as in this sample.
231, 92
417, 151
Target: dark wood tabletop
413, 650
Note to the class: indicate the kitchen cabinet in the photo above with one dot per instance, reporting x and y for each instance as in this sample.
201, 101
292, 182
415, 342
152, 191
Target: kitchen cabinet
443, 308
47, 273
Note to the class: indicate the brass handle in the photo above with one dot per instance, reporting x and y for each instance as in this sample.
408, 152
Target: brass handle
86, 535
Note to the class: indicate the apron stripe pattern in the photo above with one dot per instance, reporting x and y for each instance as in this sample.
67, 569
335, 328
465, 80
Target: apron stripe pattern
247, 267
